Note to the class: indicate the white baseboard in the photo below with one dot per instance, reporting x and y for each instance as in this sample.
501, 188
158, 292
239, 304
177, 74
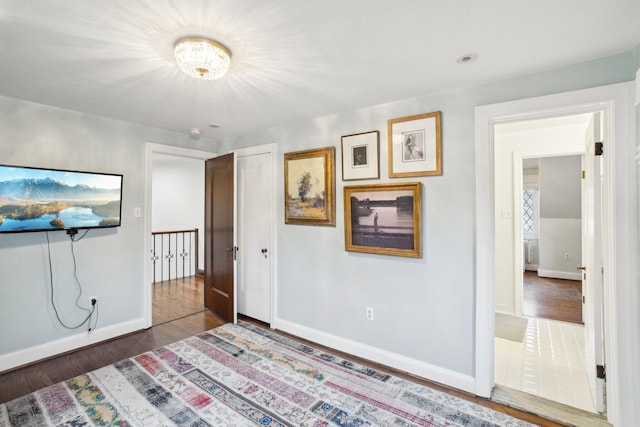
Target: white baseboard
63, 345
554, 274
504, 309
394, 360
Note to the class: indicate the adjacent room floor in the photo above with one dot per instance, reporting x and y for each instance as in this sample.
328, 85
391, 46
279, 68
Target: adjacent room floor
549, 362
177, 298
548, 298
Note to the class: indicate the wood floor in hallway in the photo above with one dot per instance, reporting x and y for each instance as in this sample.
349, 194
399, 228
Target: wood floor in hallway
555, 299
177, 298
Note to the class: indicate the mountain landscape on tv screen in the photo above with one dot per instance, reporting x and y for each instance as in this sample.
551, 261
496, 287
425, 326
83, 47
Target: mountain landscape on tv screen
48, 203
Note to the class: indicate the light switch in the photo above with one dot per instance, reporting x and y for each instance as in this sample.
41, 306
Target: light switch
505, 214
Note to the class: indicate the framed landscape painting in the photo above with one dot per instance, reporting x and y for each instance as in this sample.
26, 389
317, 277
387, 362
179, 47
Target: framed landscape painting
309, 187
415, 145
383, 219
360, 153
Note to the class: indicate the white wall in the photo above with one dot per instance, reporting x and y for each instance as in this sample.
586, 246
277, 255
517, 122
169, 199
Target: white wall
110, 262
560, 217
560, 186
424, 308
560, 237
178, 197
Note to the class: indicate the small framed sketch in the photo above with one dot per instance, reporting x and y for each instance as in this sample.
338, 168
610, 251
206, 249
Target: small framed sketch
415, 146
360, 154
309, 187
383, 219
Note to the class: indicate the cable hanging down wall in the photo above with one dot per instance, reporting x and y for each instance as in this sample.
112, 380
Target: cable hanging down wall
88, 320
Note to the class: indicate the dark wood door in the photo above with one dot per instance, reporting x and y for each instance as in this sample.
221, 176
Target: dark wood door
219, 245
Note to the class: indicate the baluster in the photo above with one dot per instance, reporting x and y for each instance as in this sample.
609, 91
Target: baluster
190, 249
188, 252
170, 257
162, 255
196, 246
154, 258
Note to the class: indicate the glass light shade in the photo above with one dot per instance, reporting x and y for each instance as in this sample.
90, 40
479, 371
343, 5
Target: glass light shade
202, 58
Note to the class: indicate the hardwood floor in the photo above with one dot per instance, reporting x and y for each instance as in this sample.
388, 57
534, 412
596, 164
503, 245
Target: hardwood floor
36, 376
173, 322
25, 380
173, 299
555, 299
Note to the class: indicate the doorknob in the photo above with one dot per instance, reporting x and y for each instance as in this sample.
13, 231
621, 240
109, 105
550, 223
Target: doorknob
580, 267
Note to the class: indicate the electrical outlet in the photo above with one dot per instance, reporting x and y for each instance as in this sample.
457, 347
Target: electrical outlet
369, 313
567, 256
93, 301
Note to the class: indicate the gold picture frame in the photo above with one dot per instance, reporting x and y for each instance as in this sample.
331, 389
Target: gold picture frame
360, 156
384, 219
415, 145
309, 187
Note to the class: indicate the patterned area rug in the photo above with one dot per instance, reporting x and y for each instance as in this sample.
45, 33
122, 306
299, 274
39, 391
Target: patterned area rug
242, 375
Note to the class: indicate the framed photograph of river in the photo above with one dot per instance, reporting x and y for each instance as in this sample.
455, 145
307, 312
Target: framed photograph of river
309, 187
383, 219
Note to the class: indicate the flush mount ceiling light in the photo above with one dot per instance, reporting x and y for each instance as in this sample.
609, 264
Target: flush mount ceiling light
202, 58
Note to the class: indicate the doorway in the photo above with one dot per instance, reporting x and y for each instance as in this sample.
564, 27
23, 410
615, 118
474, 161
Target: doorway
614, 101
177, 226
249, 275
547, 359
552, 239
160, 299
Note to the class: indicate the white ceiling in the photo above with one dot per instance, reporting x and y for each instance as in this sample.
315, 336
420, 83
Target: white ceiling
291, 59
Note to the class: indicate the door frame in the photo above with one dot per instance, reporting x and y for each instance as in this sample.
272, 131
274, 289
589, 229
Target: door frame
152, 148
618, 222
270, 149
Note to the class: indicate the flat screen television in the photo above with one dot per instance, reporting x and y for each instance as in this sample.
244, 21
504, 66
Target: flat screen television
36, 199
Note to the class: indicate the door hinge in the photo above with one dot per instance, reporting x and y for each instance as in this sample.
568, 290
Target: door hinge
599, 148
582, 174
601, 372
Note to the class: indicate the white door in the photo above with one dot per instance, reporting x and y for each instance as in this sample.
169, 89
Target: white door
592, 261
255, 205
